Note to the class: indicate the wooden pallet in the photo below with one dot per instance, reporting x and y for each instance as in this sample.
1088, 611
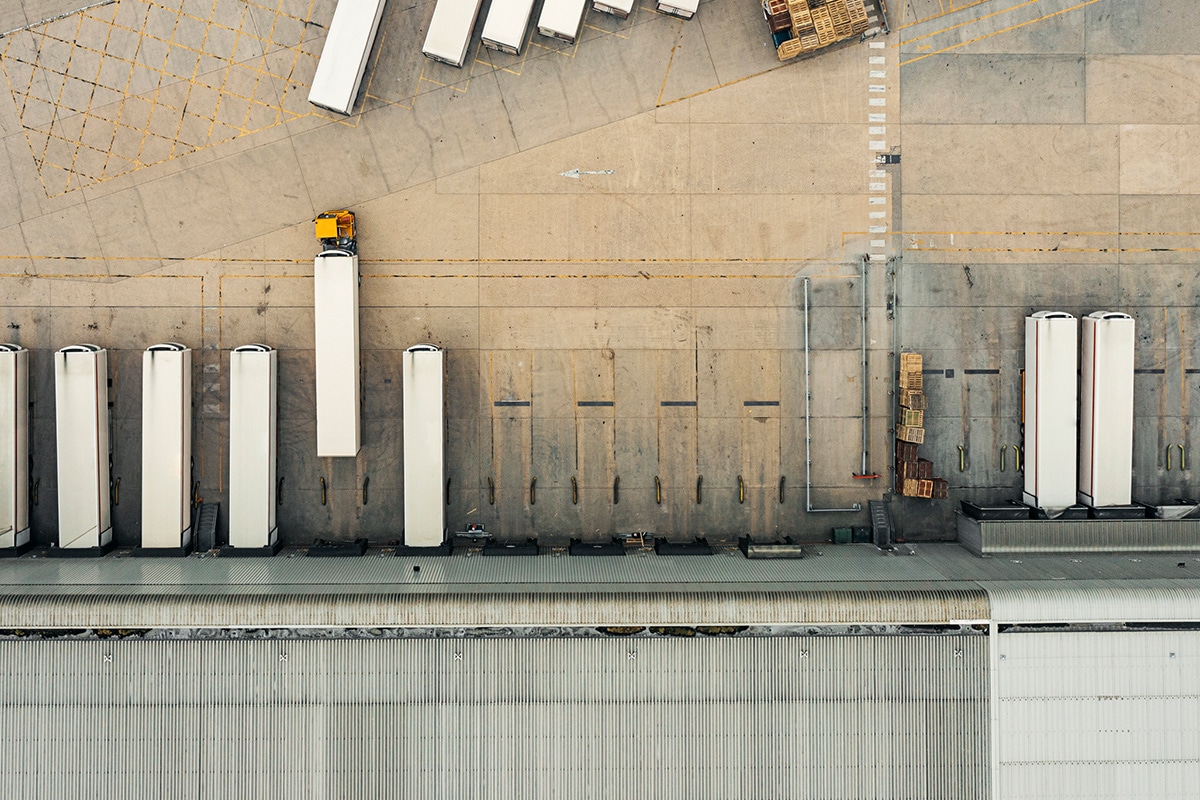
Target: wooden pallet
914, 399
912, 361
841, 19
824, 25
802, 21
789, 49
913, 435
905, 451
810, 41
858, 17
912, 379
912, 418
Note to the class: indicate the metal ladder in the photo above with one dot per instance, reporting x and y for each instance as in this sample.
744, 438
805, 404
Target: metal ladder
881, 524
205, 526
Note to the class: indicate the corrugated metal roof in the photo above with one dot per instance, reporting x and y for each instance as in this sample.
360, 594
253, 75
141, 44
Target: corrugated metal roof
824, 717
1078, 536
834, 564
1112, 714
424, 609
1098, 601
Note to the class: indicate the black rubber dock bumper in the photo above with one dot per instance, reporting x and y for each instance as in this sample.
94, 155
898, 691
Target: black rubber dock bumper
699, 547
321, 548
511, 549
579, 548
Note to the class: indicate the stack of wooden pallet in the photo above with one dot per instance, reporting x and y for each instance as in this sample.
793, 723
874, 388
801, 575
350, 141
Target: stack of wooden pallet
914, 475
777, 14
816, 23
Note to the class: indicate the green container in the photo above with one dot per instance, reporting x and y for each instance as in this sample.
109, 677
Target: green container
842, 535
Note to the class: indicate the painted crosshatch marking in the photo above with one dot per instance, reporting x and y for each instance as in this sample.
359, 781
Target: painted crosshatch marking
124, 85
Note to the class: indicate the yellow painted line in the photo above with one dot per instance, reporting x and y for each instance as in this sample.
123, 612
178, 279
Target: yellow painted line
1003, 30
658, 103
970, 21
931, 17
1052, 249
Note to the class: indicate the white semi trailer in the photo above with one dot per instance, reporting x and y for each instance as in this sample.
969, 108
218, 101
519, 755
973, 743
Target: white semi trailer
562, 19
506, 24
335, 312
166, 447
450, 31
253, 444
14, 447
81, 428
1106, 410
1051, 409
424, 409
344, 55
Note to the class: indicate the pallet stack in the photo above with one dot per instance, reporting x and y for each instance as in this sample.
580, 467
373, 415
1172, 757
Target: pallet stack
914, 475
814, 24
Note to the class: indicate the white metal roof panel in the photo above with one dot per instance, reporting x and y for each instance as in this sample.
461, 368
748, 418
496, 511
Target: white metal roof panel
1100, 601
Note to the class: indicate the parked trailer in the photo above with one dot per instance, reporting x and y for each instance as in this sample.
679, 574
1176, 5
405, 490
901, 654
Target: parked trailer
166, 447
344, 54
14, 447
1051, 409
450, 31
335, 280
1106, 410
81, 427
424, 410
618, 8
253, 443
506, 24
679, 8
562, 19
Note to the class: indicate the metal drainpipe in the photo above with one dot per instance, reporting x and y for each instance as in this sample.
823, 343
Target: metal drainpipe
807, 425
865, 409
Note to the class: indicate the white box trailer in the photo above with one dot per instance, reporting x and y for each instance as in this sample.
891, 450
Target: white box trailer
506, 24
81, 428
450, 31
166, 447
253, 445
335, 285
344, 54
618, 8
14, 446
1106, 410
679, 8
562, 19
424, 446
1051, 407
